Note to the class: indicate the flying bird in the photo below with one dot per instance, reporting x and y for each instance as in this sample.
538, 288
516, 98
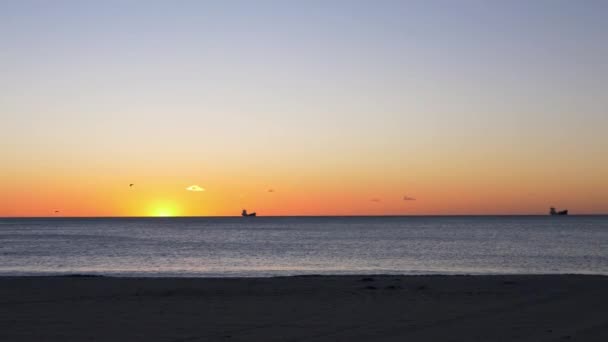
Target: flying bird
407, 198
131, 185
270, 190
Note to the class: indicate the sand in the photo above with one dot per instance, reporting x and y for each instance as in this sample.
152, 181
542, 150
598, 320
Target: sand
311, 308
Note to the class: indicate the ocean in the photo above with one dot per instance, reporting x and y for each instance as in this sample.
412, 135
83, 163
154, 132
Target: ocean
282, 246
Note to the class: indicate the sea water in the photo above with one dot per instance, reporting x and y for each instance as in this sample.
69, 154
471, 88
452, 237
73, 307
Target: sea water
279, 246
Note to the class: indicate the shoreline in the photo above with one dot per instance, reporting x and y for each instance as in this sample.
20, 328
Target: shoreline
312, 275
305, 308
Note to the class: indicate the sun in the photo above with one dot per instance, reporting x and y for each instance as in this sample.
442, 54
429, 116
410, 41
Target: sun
163, 209
164, 212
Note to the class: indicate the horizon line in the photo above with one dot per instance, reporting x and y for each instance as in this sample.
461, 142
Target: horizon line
287, 216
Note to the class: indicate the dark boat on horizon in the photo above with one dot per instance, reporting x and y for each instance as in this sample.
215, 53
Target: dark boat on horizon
554, 212
245, 214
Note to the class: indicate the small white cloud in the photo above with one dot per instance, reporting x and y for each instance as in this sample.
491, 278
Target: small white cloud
194, 188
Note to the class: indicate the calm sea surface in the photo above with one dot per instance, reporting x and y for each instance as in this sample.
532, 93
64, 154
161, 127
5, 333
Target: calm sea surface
271, 246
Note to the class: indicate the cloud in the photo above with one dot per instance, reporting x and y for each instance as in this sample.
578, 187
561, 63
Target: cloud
195, 188
407, 198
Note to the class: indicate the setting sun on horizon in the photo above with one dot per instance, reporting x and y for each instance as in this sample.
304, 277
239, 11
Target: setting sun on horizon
334, 170
165, 210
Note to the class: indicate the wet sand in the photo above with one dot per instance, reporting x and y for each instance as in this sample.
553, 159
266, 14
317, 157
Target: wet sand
310, 308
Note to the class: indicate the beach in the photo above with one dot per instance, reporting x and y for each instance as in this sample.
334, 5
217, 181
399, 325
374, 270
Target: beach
305, 308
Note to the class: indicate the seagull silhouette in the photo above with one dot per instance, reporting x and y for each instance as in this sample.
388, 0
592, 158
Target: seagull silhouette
130, 185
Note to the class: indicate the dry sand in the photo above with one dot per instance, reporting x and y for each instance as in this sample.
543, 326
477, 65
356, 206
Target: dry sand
328, 308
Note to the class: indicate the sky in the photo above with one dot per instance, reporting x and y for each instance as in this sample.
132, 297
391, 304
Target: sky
303, 107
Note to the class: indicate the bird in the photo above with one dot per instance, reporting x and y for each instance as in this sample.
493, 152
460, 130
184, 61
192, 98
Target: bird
131, 185
56, 211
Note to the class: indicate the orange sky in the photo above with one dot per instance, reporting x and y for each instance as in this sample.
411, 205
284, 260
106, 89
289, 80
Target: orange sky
486, 186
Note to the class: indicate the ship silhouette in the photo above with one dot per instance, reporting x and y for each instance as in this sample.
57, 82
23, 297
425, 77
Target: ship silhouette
554, 212
245, 214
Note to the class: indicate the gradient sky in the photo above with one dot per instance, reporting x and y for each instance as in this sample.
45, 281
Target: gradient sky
340, 107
